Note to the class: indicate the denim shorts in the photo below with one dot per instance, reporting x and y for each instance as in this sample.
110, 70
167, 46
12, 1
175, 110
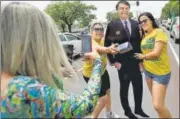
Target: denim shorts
162, 79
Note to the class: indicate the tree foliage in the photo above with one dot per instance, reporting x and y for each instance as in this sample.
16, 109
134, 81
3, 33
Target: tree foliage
113, 15
66, 13
130, 15
110, 16
171, 9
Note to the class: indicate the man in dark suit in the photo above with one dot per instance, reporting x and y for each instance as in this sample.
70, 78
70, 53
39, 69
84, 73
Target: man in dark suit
120, 31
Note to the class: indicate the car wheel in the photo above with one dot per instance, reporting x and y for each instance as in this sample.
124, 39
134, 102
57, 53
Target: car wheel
171, 36
177, 40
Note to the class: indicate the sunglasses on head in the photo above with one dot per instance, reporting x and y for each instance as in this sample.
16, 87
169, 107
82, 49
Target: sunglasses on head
143, 21
98, 29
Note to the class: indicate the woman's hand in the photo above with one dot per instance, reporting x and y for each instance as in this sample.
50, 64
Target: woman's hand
92, 55
111, 49
139, 56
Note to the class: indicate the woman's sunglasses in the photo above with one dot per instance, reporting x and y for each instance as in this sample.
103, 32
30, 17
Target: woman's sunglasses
143, 21
99, 29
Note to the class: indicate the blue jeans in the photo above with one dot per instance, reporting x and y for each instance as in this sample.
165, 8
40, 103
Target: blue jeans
162, 79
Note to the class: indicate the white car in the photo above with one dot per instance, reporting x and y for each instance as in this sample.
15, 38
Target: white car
168, 24
175, 31
70, 39
163, 22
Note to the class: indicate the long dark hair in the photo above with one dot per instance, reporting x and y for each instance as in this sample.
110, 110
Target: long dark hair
151, 17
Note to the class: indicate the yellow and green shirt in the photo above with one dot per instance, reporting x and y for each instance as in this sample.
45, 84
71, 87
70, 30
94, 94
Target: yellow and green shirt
88, 64
161, 65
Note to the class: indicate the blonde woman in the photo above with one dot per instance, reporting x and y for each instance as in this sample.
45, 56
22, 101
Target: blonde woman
31, 68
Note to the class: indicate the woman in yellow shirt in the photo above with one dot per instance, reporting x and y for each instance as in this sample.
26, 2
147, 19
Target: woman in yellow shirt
97, 34
155, 61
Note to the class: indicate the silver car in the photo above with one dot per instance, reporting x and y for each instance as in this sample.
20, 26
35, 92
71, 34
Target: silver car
71, 39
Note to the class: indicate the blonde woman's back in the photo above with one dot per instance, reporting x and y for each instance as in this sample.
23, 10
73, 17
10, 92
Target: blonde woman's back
30, 45
32, 61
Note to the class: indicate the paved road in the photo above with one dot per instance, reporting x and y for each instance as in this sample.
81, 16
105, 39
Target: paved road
172, 92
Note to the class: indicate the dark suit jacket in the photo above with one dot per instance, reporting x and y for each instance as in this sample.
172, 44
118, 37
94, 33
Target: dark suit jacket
115, 33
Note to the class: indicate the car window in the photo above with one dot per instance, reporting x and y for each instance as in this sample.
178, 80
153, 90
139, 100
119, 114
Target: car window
71, 37
62, 38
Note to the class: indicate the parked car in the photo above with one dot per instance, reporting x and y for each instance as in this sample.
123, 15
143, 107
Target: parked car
76, 33
157, 22
70, 39
69, 48
163, 22
168, 24
174, 33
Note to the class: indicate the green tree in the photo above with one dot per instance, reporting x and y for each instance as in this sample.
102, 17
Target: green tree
61, 25
113, 15
131, 15
170, 9
175, 7
70, 11
86, 20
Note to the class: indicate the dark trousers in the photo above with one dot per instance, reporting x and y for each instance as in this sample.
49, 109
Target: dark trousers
130, 72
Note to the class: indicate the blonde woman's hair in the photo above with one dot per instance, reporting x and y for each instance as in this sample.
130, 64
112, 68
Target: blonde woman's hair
30, 45
95, 23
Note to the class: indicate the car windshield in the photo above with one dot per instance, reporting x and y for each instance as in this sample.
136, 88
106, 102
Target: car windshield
71, 37
62, 38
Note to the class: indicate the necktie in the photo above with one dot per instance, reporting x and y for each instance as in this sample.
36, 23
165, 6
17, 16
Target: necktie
127, 29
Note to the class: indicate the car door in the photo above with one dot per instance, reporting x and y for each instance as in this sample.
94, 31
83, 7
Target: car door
68, 47
76, 41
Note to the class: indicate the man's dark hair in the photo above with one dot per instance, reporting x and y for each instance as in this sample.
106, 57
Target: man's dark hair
122, 2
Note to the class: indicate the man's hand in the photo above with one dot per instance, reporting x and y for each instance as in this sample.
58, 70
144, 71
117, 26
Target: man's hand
117, 65
141, 67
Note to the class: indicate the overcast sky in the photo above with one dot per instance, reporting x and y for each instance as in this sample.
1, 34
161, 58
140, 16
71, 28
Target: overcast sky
103, 7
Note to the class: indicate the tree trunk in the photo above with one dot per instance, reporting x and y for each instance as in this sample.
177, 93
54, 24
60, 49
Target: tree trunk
69, 28
63, 27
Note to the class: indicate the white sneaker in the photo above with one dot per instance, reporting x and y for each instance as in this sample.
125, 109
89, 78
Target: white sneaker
111, 115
